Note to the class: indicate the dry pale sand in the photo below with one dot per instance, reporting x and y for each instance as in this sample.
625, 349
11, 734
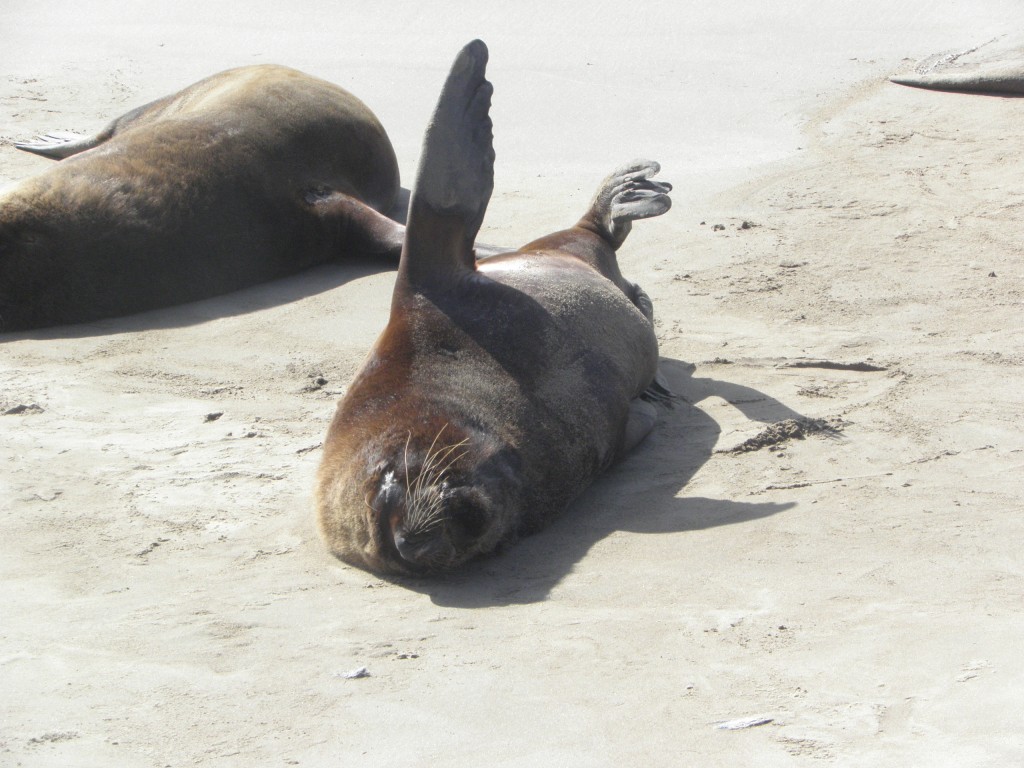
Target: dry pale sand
166, 600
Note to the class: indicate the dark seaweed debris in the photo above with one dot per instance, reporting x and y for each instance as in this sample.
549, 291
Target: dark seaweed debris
790, 429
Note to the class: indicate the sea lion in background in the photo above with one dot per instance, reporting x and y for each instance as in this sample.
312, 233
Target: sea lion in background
498, 390
997, 70
246, 176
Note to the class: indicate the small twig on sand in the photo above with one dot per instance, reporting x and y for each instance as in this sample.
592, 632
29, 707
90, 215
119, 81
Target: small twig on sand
744, 722
791, 486
863, 367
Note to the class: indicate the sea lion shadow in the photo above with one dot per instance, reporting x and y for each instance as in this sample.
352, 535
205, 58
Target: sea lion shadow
285, 290
638, 495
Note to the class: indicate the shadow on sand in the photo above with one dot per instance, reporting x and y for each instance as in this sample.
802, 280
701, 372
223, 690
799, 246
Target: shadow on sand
637, 495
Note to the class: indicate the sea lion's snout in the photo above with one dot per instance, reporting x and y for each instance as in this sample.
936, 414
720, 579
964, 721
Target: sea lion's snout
425, 528
436, 527
429, 550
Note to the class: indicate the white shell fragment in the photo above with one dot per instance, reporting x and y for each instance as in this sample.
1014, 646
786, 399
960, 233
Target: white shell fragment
743, 722
354, 674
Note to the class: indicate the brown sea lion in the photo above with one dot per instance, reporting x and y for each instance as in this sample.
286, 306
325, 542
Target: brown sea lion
499, 390
248, 175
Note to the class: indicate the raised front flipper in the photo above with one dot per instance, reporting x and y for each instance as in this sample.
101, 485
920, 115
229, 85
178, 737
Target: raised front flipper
58, 145
455, 177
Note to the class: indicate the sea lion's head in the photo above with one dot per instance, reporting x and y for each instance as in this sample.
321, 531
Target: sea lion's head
431, 501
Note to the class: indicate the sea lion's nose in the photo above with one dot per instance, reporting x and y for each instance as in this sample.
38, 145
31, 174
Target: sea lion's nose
424, 550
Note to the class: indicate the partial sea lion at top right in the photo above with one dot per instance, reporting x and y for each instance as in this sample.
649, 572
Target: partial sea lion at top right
995, 67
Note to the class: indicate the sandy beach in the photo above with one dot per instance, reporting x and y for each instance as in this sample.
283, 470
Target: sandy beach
822, 537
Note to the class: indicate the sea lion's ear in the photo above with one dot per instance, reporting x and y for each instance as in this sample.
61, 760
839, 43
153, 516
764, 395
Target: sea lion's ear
455, 177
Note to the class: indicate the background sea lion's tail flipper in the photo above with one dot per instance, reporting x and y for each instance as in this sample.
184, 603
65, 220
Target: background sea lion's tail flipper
627, 194
57, 145
999, 80
455, 177
995, 67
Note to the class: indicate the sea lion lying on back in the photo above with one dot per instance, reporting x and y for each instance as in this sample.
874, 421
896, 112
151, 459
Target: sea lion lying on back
248, 175
499, 390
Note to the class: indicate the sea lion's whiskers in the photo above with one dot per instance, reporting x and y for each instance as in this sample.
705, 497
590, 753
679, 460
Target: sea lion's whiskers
408, 437
430, 458
425, 499
430, 461
439, 474
427, 516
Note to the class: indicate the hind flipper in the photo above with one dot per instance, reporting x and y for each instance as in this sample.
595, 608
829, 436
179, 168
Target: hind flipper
639, 423
628, 194
641, 301
456, 174
643, 413
58, 145
658, 392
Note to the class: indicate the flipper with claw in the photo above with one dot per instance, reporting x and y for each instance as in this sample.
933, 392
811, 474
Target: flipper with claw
657, 391
628, 193
455, 177
58, 145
